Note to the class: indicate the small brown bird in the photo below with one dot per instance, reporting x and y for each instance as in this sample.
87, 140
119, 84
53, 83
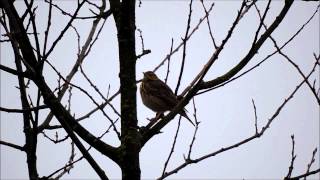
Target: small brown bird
158, 96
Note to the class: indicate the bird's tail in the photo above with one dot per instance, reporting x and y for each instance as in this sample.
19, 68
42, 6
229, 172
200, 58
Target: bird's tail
184, 114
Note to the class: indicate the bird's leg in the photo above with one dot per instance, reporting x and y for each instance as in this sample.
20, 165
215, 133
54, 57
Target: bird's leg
155, 119
159, 115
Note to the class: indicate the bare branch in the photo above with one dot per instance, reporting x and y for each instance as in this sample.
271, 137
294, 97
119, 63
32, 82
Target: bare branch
172, 147
198, 80
184, 40
14, 72
91, 98
168, 67
304, 175
311, 162
21, 148
266, 58
152, 131
46, 33
195, 130
63, 31
181, 44
34, 27
293, 157
208, 23
289, 60
23, 110
255, 136
56, 140
99, 92
155, 69
251, 52
255, 117
80, 59
71, 159
80, 158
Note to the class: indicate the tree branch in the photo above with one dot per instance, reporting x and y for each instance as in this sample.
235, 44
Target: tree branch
23, 110
21, 148
254, 49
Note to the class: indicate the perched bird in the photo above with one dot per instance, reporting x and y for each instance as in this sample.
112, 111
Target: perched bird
158, 96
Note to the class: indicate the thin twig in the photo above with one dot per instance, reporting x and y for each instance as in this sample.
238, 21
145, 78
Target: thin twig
304, 175
184, 40
196, 27
293, 157
209, 26
80, 158
168, 67
91, 98
56, 140
195, 130
312, 161
98, 91
288, 59
172, 147
263, 60
255, 117
244, 141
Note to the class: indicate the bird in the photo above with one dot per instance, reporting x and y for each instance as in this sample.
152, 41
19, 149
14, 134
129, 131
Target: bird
158, 96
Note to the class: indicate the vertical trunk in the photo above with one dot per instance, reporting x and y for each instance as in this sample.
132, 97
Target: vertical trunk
30, 135
130, 137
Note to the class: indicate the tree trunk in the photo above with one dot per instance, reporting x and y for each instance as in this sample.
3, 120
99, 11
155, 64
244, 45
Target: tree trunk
124, 14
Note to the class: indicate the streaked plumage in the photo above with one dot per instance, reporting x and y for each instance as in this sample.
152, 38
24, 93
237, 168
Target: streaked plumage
158, 96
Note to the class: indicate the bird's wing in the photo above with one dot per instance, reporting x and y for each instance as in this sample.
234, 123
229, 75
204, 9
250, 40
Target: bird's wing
161, 90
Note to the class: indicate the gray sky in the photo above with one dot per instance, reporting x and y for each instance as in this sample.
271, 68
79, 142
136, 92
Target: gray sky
226, 114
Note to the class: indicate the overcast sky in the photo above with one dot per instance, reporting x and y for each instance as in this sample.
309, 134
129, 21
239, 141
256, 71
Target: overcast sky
226, 114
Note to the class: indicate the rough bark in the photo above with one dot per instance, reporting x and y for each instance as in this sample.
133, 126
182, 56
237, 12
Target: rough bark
124, 15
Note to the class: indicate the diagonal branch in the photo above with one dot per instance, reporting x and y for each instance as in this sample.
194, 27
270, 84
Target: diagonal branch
155, 129
14, 72
62, 115
21, 148
254, 49
184, 40
80, 59
255, 136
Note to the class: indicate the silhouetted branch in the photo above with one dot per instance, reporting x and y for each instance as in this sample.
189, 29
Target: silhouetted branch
168, 67
88, 95
255, 47
184, 40
80, 158
195, 130
99, 92
56, 140
289, 60
304, 175
14, 72
71, 159
81, 56
255, 116
155, 129
46, 55
196, 27
244, 141
293, 157
21, 148
208, 23
23, 110
311, 162
172, 147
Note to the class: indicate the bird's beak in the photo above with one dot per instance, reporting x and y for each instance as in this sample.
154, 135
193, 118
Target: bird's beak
144, 73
